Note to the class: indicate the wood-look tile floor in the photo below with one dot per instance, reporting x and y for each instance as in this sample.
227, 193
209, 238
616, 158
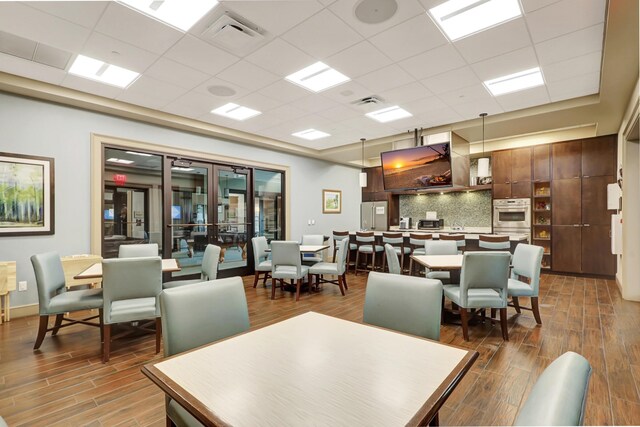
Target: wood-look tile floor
65, 383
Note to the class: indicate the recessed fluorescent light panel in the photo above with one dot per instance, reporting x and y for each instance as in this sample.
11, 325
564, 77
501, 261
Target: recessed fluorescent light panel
135, 153
460, 18
311, 134
235, 111
177, 13
389, 114
515, 82
102, 72
317, 77
121, 161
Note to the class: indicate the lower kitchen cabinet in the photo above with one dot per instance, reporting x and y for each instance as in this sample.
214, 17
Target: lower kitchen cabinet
566, 248
596, 250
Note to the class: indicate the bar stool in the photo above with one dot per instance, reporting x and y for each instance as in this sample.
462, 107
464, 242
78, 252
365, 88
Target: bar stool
396, 240
458, 238
366, 244
490, 242
416, 244
337, 237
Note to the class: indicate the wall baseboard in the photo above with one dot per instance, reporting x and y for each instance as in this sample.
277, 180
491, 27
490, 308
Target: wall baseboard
24, 310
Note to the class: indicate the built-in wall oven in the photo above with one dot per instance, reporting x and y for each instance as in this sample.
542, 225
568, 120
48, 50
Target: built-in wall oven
512, 217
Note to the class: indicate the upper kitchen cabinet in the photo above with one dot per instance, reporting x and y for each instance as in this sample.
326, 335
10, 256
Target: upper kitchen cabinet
541, 163
374, 180
566, 159
599, 156
511, 172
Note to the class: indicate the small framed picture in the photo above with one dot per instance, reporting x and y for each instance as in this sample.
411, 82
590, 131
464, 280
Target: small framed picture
331, 201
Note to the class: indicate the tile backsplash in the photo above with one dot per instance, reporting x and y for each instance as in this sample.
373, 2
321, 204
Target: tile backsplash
471, 209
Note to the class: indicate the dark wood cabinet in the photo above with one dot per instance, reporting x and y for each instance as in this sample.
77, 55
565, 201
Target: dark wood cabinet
594, 200
599, 156
520, 165
375, 183
541, 167
374, 192
501, 191
501, 167
566, 160
511, 173
520, 189
566, 248
596, 257
566, 202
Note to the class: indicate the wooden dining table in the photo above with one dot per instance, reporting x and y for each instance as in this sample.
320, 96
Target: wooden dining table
309, 249
95, 270
439, 262
342, 374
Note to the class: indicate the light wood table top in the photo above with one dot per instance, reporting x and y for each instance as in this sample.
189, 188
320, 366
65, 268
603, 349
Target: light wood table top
309, 249
439, 262
314, 369
95, 270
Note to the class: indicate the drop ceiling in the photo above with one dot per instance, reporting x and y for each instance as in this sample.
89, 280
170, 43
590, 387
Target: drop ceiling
404, 60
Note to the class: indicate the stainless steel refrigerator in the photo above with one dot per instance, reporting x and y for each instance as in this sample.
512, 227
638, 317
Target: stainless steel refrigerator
373, 216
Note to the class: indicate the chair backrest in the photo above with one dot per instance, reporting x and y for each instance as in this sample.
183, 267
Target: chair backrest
365, 237
49, 278
559, 396
392, 259
404, 303
343, 253
339, 236
417, 240
395, 239
130, 278
485, 270
210, 261
312, 239
201, 313
260, 247
458, 238
286, 253
527, 261
138, 250
440, 247
493, 242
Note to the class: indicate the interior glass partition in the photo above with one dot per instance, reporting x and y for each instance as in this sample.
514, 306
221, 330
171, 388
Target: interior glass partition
268, 197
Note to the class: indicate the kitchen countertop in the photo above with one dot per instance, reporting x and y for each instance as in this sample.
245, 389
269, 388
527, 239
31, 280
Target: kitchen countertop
446, 230
474, 230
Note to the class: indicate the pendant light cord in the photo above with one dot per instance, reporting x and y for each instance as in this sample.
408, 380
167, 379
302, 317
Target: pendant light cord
363, 140
483, 115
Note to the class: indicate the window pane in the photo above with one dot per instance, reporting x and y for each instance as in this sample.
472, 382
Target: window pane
268, 204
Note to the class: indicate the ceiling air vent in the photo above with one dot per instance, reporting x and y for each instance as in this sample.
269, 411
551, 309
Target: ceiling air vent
233, 35
33, 51
373, 99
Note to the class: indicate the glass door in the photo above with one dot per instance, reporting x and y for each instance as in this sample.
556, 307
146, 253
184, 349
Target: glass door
232, 218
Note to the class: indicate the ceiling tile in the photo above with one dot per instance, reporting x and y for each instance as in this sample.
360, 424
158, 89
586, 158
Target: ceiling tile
451, 80
191, 104
280, 58
495, 41
586, 84
313, 104
32, 70
197, 54
33, 24
90, 86
471, 110
269, 14
438, 117
410, 38
564, 17
524, 99
585, 64
406, 93
465, 95
258, 102
284, 91
345, 9
247, 75
287, 112
85, 13
322, 35
151, 93
175, 73
531, 5
214, 81
385, 79
503, 65
116, 52
359, 59
573, 44
424, 105
125, 24
433, 62
339, 113
347, 92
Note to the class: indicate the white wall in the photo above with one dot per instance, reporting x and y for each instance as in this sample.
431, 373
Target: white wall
39, 128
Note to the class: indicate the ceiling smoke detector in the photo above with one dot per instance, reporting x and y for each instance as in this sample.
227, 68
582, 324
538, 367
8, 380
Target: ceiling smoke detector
373, 99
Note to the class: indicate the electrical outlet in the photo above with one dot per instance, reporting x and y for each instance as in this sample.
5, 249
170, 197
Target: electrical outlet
22, 286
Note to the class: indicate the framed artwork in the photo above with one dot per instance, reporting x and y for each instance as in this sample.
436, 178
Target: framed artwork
26, 195
331, 201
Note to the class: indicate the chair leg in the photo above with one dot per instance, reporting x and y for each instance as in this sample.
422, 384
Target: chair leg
493, 313
42, 331
384, 261
536, 310
101, 325
274, 283
516, 304
344, 280
340, 284
298, 284
158, 333
503, 324
355, 267
168, 422
410, 266
465, 323
256, 276
56, 326
435, 421
264, 279
106, 344
373, 260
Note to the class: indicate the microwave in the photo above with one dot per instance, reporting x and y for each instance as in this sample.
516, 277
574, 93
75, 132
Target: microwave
430, 224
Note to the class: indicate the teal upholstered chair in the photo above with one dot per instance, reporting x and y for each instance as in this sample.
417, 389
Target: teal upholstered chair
286, 265
261, 261
492, 242
392, 259
559, 396
315, 240
55, 299
396, 241
440, 247
196, 315
483, 284
338, 268
131, 290
527, 261
138, 250
209, 268
337, 237
408, 304
366, 245
3, 422
417, 245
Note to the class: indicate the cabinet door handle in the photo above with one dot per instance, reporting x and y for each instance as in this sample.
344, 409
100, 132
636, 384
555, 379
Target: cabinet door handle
576, 225
507, 182
576, 177
586, 225
514, 182
586, 176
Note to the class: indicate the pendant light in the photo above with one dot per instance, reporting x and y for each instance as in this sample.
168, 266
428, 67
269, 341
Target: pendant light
363, 175
483, 162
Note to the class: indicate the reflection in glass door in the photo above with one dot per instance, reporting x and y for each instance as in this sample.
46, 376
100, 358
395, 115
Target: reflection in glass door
232, 225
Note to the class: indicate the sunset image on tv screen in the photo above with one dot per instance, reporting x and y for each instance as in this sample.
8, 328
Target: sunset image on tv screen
420, 167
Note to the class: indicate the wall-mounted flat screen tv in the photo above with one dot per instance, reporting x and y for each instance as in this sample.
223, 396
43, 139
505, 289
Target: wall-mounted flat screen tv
423, 167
